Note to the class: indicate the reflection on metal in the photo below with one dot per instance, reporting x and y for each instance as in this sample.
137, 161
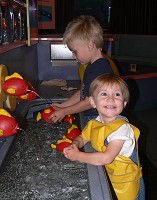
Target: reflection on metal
62, 56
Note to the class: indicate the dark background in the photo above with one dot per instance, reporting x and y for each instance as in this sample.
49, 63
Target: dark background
126, 17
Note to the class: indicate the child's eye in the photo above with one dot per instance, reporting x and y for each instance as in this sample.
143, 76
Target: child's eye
103, 94
117, 94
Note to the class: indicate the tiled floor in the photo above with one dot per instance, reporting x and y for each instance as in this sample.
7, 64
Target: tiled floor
146, 121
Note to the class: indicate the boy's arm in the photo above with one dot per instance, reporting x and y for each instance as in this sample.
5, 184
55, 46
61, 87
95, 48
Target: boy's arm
79, 142
75, 98
78, 107
70, 101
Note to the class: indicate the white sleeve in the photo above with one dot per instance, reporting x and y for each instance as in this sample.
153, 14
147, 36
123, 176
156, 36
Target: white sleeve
126, 133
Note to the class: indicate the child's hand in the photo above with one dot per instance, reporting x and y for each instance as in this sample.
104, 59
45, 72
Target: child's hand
66, 149
56, 116
71, 152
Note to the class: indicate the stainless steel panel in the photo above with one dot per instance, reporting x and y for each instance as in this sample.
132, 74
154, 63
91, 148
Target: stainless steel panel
62, 56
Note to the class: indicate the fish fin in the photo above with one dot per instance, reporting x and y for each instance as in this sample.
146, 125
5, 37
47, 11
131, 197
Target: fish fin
38, 116
14, 75
1, 132
53, 146
4, 112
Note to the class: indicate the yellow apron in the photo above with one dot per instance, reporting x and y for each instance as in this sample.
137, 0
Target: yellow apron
124, 174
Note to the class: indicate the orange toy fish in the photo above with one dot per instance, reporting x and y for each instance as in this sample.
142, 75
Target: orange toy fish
15, 85
45, 114
8, 125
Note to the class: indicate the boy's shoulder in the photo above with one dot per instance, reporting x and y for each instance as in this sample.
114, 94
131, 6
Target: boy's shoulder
100, 66
101, 60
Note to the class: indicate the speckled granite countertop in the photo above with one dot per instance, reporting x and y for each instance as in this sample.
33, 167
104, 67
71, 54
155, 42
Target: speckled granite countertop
36, 171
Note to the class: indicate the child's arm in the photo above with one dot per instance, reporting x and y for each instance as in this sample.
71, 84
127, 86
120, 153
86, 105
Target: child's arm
78, 107
96, 158
79, 142
70, 101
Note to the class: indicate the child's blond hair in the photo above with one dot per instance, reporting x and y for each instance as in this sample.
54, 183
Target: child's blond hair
85, 28
109, 79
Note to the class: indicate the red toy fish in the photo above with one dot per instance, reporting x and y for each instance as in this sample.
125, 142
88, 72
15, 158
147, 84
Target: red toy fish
61, 144
45, 114
8, 125
15, 85
73, 132
69, 119
30, 95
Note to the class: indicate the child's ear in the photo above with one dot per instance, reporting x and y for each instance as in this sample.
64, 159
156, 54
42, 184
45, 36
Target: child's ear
125, 102
91, 100
90, 45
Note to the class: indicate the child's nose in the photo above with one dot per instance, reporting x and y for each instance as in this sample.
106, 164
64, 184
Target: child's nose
110, 98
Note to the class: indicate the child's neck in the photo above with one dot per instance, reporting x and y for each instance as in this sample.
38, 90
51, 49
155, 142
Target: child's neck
97, 55
107, 120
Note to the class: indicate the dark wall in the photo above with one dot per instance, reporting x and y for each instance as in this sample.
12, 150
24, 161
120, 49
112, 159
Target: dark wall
133, 17
97, 8
46, 68
34, 63
23, 60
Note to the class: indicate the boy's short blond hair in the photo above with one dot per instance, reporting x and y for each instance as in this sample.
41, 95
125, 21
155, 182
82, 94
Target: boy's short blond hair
109, 79
85, 28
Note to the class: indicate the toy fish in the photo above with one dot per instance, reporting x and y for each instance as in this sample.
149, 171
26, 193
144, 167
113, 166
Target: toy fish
15, 85
69, 119
8, 125
73, 132
61, 144
45, 114
30, 95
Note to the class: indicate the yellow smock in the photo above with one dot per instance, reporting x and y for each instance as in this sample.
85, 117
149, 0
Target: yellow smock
124, 174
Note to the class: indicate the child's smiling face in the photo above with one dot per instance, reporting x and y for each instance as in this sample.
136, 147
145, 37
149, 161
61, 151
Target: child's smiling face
109, 102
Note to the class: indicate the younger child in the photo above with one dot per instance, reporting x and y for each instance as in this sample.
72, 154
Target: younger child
84, 38
114, 139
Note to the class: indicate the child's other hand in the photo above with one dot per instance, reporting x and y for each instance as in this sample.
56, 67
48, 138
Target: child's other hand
71, 152
66, 149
